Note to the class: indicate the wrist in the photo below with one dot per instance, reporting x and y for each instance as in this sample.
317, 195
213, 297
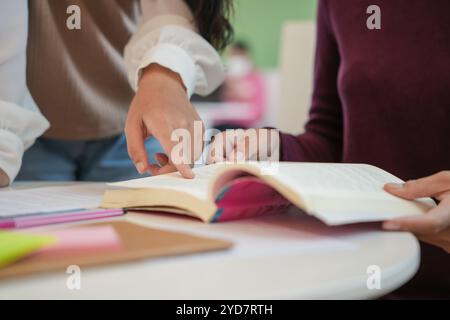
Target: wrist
156, 74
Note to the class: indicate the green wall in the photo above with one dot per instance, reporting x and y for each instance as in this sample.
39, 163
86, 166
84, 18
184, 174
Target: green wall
259, 23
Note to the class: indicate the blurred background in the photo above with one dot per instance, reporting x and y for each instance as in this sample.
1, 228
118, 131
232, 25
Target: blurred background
269, 68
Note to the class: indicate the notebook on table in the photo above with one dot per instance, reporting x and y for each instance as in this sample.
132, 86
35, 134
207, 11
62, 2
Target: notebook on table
334, 193
25, 208
136, 243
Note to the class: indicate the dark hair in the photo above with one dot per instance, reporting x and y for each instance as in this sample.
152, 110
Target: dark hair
212, 20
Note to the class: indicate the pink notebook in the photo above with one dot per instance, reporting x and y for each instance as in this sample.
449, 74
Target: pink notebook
83, 240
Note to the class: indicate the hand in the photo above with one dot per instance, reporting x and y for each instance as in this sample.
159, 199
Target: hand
159, 107
4, 179
433, 227
241, 145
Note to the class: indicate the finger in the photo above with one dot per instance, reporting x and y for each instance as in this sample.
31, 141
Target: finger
178, 157
181, 163
184, 169
177, 165
157, 171
425, 187
153, 169
164, 166
431, 223
443, 195
135, 135
162, 159
168, 168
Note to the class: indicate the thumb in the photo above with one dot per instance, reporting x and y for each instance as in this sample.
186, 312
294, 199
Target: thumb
420, 188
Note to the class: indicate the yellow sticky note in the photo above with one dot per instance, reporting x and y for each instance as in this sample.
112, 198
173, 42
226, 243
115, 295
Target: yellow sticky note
14, 246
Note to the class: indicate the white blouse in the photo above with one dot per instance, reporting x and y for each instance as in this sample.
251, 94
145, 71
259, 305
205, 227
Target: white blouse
20, 121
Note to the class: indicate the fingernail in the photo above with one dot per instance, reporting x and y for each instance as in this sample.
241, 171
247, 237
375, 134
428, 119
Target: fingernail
189, 174
397, 186
140, 167
391, 226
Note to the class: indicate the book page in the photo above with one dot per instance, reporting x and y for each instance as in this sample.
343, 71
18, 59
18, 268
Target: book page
334, 193
15, 203
344, 193
312, 178
197, 187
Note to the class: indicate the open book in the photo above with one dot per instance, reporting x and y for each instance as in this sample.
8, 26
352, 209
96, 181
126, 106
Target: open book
334, 193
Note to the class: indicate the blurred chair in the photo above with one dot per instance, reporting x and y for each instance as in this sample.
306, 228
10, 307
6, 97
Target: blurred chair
296, 68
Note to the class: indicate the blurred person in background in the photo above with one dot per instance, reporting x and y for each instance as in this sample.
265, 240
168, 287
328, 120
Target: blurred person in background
83, 85
243, 84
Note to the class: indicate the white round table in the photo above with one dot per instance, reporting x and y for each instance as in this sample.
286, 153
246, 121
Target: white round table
289, 256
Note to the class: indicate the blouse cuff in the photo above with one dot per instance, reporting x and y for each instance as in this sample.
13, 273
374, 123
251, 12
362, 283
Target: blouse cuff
173, 58
19, 128
177, 48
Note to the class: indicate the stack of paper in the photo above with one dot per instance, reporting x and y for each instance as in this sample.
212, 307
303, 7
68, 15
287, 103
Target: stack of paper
42, 206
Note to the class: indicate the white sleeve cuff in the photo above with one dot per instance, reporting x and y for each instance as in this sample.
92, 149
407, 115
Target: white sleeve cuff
19, 128
171, 57
179, 49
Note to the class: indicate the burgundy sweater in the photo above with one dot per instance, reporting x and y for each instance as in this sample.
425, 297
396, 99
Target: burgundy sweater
382, 97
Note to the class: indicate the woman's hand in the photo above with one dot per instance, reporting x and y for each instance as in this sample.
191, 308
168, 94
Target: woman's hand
159, 107
241, 145
433, 227
4, 179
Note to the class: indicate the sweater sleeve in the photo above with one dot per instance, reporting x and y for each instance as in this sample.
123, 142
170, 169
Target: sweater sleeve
322, 140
